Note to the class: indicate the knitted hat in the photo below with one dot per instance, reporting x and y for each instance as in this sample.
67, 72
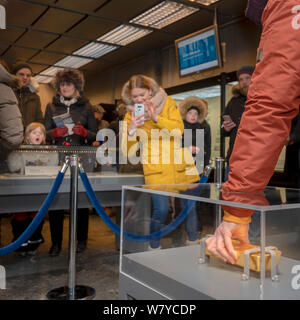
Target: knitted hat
70, 76
244, 69
21, 66
98, 108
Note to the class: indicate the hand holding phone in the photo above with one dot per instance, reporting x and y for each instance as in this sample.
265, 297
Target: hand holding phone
139, 109
228, 124
227, 117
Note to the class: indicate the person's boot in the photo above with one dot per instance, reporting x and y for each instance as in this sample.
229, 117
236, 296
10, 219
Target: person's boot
55, 250
56, 220
81, 246
36, 238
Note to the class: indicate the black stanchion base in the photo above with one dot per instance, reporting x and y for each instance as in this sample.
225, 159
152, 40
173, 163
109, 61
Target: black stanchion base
81, 293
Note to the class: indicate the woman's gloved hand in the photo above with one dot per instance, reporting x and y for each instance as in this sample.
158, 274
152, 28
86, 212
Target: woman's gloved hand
59, 132
80, 130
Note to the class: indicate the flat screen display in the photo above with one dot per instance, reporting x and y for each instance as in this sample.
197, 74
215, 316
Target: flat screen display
198, 51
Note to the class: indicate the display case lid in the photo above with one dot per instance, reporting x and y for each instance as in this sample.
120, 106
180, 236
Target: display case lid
273, 198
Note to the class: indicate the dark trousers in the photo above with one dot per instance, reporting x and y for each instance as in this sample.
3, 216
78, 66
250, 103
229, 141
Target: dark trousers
56, 221
19, 226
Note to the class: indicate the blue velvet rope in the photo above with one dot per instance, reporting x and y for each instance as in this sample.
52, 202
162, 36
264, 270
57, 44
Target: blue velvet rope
37, 219
141, 238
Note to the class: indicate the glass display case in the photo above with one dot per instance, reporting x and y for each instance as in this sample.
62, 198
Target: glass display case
32, 169
160, 258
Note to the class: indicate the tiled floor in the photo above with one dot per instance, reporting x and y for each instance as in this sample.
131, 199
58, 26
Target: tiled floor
31, 278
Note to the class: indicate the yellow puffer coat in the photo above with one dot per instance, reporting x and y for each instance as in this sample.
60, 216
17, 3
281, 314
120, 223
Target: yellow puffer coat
163, 163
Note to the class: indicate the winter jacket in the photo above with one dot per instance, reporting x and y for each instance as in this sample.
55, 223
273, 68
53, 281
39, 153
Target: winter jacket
202, 107
29, 104
11, 127
81, 111
255, 10
207, 137
155, 170
235, 109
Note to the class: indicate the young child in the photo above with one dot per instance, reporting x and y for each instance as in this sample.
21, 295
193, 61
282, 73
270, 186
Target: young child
194, 112
35, 133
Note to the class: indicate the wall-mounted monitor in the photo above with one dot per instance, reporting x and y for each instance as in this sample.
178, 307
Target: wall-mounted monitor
198, 51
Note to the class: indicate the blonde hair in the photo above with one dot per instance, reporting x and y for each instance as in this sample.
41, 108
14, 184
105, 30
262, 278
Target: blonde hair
139, 81
32, 126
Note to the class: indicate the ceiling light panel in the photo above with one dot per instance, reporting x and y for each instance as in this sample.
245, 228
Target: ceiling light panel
124, 35
43, 79
73, 62
95, 50
52, 71
164, 14
205, 2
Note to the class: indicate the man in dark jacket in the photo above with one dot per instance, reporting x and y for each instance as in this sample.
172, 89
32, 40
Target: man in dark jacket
29, 101
235, 108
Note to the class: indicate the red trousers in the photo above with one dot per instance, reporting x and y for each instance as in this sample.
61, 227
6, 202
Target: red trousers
273, 101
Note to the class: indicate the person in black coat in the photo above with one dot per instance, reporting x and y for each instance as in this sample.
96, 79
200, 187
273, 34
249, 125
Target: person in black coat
235, 109
194, 111
292, 154
69, 121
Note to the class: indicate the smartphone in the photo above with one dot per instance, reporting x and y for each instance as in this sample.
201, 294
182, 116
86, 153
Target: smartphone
139, 108
226, 117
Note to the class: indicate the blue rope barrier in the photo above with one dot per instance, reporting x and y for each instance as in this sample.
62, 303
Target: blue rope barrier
141, 238
37, 219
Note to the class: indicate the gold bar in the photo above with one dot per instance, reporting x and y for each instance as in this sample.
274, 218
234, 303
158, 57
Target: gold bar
254, 259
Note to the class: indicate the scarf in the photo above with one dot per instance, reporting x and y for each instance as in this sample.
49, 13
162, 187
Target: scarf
67, 102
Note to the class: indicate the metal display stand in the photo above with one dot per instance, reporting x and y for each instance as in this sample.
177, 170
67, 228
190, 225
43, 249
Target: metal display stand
72, 291
219, 173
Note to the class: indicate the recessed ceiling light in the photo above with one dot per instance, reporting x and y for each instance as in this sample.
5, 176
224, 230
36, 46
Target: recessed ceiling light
205, 2
43, 79
164, 14
95, 50
124, 35
50, 71
72, 62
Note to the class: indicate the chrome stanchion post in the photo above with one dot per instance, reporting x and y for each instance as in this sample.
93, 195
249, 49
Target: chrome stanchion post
219, 171
219, 167
73, 226
72, 292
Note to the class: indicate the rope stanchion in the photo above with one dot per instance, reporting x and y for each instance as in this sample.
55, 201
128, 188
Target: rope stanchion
37, 219
141, 238
72, 291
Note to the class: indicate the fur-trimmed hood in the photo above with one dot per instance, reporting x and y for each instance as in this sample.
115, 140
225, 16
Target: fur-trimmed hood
71, 76
9, 79
196, 102
235, 91
5, 76
33, 85
158, 96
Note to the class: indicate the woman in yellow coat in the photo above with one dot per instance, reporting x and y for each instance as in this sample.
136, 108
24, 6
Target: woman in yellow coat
158, 132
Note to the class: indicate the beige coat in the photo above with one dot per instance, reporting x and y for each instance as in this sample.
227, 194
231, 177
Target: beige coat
11, 127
